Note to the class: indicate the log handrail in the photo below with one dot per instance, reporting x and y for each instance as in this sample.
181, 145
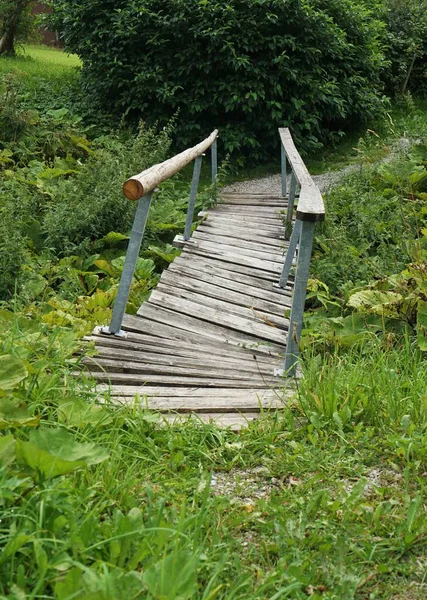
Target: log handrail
310, 204
143, 183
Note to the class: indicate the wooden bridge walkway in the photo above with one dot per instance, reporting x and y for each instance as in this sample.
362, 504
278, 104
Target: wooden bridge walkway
212, 334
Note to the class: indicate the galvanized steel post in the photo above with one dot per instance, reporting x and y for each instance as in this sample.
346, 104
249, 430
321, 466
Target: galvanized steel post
132, 254
193, 196
298, 299
293, 243
284, 173
214, 161
291, 202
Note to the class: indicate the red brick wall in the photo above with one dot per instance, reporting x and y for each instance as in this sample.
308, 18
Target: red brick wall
48, 37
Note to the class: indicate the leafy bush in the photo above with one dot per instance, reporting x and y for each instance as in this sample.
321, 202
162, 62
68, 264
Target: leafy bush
16, 23
374, 222
246, 67
406, 45
97, 204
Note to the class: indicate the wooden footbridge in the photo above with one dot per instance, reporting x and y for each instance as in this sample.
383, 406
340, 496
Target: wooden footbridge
213, 338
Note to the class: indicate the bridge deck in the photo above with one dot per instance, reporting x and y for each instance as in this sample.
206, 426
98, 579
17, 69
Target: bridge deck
211, 334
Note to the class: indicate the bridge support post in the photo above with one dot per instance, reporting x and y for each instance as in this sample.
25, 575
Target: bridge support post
132, 254
193, 196
289, 259
298, 299
291, 202
214, 161
284, 173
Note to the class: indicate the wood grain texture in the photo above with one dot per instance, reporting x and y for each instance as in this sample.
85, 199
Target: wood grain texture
310, 202
206, 343
129, 391
274, 305
139, 185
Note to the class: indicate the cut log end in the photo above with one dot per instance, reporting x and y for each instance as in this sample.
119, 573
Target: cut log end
133, 189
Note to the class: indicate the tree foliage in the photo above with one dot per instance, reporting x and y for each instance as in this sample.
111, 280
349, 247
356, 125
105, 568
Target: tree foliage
245, 66
406, 45
15, 23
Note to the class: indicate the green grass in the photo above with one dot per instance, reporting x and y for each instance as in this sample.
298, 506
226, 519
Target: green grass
301, 504
325, 500
48, 77
40, 61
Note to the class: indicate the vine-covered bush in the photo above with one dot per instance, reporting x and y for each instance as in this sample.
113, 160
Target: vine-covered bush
406, 45
245, 66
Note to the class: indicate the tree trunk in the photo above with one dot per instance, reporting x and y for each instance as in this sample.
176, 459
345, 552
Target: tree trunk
10, 26
408, 73
7, 41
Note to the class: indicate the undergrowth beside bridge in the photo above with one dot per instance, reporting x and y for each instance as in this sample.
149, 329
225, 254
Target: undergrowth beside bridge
324, 500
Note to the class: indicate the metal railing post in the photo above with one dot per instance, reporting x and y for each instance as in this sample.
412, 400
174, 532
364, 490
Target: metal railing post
298, 299
132, 254
214, 161
291, 202
287, 265
284, 173
193, 196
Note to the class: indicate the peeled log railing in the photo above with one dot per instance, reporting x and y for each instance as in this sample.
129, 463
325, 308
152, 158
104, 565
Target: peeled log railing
299, 229
141, 187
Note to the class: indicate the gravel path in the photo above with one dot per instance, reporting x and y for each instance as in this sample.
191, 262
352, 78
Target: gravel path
273, 183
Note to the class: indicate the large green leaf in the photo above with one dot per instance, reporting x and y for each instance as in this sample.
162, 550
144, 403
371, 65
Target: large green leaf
54, 452
7, 450
78, 413
13, 545
92, 585
375, 301
14, 413
12, 372
173, 577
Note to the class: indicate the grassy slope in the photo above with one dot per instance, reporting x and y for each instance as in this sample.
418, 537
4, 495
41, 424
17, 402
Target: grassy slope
300, 505
40, 61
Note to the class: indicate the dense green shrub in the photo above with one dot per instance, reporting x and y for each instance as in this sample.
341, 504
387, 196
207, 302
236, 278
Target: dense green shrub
17, 23
17, 204
246, 67
406, 41
375, 222
90, 205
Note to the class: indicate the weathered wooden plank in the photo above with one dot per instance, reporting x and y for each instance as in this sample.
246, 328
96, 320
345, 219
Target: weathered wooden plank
186, 326
194, 361
235, 422
275, 304
176, 380
201, 406
277, 195
248, 312
216, 237
221, 220
129, 391
243, 219
310, 204
199, 371
218, 317
261, 267
228, 272
243, 202
250, 207
243, 233
178, 348
266, 254
261, 212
